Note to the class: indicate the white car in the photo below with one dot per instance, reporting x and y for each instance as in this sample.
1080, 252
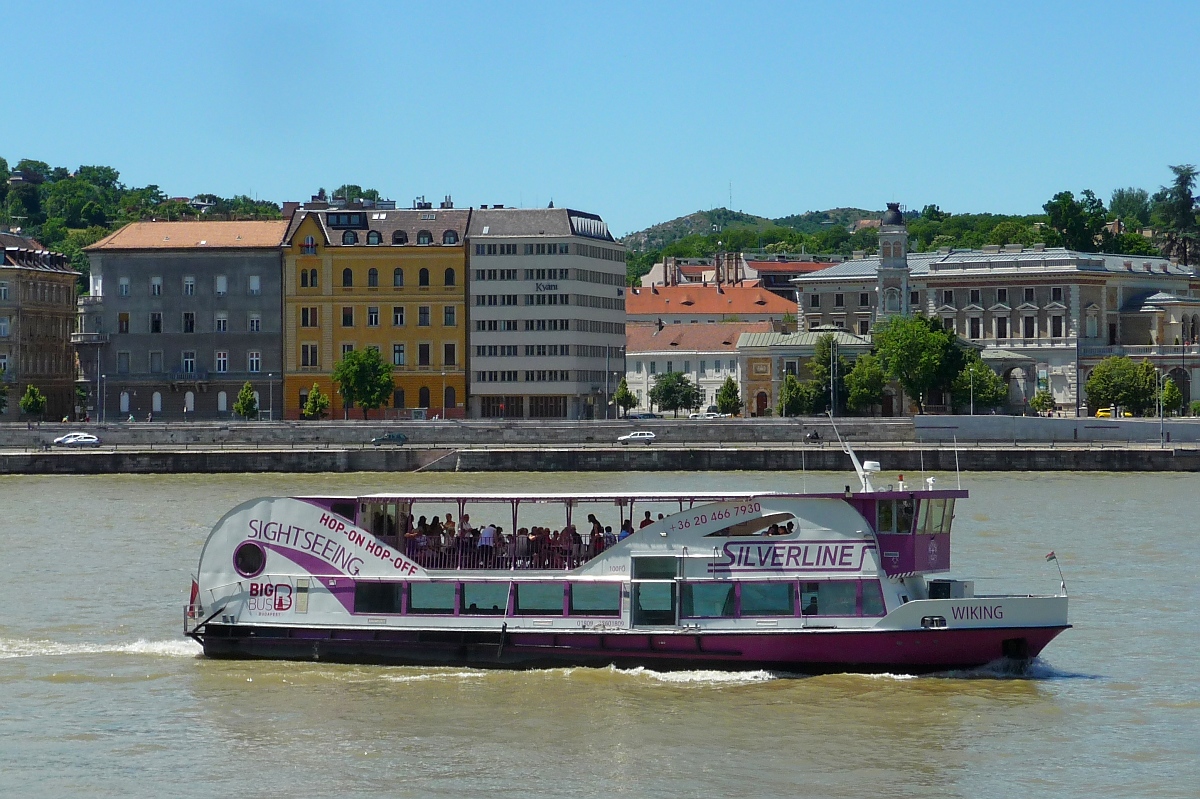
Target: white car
77, 440
704, 415
640, 437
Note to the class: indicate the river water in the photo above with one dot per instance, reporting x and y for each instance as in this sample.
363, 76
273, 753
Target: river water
101, 696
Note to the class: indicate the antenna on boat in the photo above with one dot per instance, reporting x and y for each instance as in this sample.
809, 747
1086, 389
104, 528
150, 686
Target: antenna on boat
864, 470
957, 472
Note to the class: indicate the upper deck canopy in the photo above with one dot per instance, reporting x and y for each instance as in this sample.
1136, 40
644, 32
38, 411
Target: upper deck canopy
630, 496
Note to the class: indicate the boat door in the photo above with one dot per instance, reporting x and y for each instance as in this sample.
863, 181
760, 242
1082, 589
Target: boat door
655, 592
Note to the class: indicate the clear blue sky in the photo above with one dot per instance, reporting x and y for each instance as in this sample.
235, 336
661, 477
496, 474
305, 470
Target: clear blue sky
640, 112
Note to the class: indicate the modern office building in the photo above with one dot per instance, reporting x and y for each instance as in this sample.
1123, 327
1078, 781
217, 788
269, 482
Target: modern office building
180, 315
368, 275
547, 314
37, 316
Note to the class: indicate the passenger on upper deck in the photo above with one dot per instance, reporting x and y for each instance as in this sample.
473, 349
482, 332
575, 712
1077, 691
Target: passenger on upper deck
647, 520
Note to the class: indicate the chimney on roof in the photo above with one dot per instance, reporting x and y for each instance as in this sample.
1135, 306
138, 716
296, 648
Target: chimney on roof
447, 203
660, 325
290, 209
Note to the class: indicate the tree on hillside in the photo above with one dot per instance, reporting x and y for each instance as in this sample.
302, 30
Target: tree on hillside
672, 391
354, 192
977, 385
919, 354
246, 405
316, 407
624, 398
865, 383
728, 399
1079, 222
1118, 381
33, 402
364, 379
1180, 233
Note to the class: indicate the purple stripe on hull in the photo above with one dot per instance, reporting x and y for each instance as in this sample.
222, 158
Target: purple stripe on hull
910, 651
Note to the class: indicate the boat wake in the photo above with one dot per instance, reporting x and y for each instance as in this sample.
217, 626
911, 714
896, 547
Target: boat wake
701, 676
26, 648
1007, 669
436, 675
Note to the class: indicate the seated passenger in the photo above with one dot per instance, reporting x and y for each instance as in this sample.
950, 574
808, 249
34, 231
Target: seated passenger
626, 531
811, 608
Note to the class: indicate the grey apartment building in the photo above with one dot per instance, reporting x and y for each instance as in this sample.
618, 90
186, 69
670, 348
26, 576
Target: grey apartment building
546, 308
181, 315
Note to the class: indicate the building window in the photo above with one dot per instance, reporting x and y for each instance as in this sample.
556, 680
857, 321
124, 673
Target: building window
423, 316
1002, 296
309, 247
398, 399
156, 287
373, 316
347, 316
948, 323
423, 277
308, 317
156, 401
222, 360
397, 355
122, 323
864, 327
189, 286
864, 299
948, 297
372, 278
156, 362
221, 322
974, 296
312, 278
189, 362
1056, 294
398, 277
349, 237
839, 300
814, 300
448, 319
347, 277
155, 322
347, 349
450, 237
399, 237
1056, 326
254, 287
122, 289
974, 325
255, 323
449, 277
1029, 295
253, 361
424, 237
308, 355
1001, 327
449, 354
423, 397
373, 237
189, 322
303, 278
422, 355
1030, 323
914, 298
1091, 327
222, 285
123, 363
398, 316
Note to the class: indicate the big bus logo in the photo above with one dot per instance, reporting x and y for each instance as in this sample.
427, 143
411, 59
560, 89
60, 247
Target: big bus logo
270, 596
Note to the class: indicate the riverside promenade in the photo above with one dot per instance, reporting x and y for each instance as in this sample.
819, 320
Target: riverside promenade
928, 444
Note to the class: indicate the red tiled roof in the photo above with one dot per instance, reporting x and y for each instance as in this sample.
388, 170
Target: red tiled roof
194, 235
700, 337
694, 299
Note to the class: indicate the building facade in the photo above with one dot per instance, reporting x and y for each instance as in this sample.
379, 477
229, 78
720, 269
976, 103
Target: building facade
37, 317
706, 353
179, 317
547, 314
394, 280
1042, 316
767, 358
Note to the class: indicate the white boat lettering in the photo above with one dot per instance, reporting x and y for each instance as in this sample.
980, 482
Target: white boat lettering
977, 612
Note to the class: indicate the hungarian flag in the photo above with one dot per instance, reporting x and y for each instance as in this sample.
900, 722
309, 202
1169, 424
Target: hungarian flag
195, 592
1051, 557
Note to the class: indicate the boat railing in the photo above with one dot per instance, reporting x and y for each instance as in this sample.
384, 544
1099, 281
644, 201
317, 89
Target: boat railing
510, 553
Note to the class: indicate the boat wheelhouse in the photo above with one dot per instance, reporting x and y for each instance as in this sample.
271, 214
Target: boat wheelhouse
852, 581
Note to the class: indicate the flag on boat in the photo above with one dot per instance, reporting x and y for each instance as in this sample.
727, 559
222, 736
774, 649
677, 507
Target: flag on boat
1051, 557
195, 592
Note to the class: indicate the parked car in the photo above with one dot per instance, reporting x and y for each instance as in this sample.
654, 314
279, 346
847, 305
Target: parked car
77, 440
389, 438
640, 437
704, 415
1108, 413
643, 415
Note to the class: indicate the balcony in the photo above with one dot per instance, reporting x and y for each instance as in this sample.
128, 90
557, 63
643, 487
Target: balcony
197, 376
1140, 350
81, 339
88, 300
1026, 343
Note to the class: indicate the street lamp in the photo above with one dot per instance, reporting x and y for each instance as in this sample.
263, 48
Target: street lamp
1162, 378
271, 396
443, 394
102, 378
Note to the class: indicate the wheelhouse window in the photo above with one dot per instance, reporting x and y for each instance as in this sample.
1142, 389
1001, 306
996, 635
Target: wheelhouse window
378, 597
431, 598
538, 599
768, 599
484, 599
707, 600
595, 599
872, 599
935, 516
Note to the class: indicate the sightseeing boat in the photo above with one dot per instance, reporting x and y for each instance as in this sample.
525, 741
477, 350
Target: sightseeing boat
850, 581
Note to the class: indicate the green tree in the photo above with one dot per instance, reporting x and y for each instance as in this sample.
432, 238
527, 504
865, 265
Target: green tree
1195, 408
978, 381
317, 405
364, 379
624, 398
3, 385
1118, 381
919, 354
728, 399
1178, 211
792, 399
672, 391
1172, 397
865, 383
1079, 222
1043, 402
1130, 205
821, 372
33, 402
246, 405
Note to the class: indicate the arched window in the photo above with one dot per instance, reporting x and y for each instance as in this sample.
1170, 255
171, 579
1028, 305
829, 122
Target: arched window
424, 237
398, 277
887, 249
448, 400
450, 237
189, 402
312, 278
423, 277
374, 237
156, 402
891, 300
309, 247
399, 237
349, 237
423, 398
373, 277
449, 277
124, 402
347, 277
222, 402
303, 278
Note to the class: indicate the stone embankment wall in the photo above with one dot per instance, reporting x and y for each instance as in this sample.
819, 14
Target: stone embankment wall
1057, 429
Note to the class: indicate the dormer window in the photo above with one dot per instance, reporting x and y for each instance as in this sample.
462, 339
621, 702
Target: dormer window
309, 247
349, 237
424, 237
374, 237
399, 237
450, 237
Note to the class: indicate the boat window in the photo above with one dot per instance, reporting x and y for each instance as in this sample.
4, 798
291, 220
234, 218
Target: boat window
249, 559
886, 516
872, 599
377, 597
948, 516
707, 600
596, 599
655, 568
654, 603
831, 598
431, 597
933, 524
904, 516
485, 599
538, 599
343, 509
756, 526
768, 599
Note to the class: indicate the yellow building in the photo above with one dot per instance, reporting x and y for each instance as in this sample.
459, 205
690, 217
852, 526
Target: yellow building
395, 280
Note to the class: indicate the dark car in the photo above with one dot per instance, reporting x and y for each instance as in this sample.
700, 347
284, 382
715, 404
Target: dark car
389, 438
642, 416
